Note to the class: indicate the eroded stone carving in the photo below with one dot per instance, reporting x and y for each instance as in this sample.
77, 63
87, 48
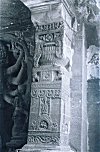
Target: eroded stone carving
16, 89
36, 77
49, 45
51, 26
37, 54
50, 69
45, 106
43, 139
45, 98
93, 65
51, 93
86, 9
46, 91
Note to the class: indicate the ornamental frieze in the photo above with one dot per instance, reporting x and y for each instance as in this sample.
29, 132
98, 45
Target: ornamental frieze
47, 76
51, 26
51, 93
43, 139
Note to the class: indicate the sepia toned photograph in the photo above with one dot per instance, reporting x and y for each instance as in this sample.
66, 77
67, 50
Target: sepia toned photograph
49, 75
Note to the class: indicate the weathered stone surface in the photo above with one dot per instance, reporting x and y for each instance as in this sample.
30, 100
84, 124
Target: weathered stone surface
49, 124
13, 14
93, 66
15, 73
76, 94
58, 110
93, 108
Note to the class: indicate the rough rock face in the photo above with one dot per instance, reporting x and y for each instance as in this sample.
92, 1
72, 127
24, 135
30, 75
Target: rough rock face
13, 13
15, 25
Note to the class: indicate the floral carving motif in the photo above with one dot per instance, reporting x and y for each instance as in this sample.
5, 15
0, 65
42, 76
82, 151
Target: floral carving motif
46, 75
54, 126
33, 125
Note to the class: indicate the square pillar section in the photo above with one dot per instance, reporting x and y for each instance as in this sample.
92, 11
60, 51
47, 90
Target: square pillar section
49, 121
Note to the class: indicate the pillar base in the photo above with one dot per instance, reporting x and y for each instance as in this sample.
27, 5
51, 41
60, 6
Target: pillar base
33, 148
16, 142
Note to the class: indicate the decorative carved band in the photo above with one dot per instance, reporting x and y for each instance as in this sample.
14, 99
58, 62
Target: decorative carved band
51, 26
51, 93
43, 139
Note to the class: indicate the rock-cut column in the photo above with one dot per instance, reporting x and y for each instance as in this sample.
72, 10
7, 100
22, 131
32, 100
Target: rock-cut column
49, 121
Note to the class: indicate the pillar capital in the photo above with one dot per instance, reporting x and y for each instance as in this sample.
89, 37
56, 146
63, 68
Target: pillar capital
50, 10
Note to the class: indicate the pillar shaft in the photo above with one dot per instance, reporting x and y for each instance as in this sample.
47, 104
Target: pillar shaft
49, 121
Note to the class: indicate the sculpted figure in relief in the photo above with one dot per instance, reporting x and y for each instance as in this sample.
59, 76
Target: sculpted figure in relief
16, 87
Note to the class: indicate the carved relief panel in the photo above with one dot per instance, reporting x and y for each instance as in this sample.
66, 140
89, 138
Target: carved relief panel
93, 62
49, 45
44, 95
47, 98
15, 76
50, 92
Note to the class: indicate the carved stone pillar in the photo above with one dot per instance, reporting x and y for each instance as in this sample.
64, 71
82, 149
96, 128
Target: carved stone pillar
49, 121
